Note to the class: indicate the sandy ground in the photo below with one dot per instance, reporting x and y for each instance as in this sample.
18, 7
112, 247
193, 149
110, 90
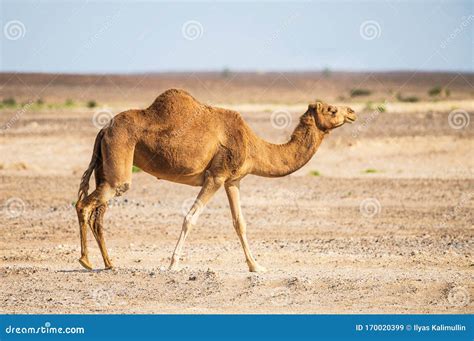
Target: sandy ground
396, 239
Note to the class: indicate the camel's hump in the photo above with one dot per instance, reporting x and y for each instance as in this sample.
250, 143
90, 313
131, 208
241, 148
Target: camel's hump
174, 99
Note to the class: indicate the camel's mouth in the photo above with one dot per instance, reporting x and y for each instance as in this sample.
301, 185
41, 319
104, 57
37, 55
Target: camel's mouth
350, 118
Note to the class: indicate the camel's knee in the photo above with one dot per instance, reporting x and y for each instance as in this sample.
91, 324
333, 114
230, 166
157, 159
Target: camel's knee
81, 209
240, 225
79, 206
121, 189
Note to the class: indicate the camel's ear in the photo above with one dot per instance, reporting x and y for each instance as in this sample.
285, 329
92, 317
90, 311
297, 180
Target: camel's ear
316, 107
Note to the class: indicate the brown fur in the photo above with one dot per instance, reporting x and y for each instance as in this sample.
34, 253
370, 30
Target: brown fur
182, 140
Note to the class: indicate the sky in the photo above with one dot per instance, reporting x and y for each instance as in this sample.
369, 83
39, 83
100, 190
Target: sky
87, 36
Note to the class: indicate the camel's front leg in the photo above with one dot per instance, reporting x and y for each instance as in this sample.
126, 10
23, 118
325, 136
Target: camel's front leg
233, 193
210, 187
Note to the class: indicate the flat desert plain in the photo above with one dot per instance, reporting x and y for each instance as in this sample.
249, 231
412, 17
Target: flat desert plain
379, 221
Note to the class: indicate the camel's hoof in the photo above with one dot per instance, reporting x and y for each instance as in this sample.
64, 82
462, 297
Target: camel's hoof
85, 263
109, 267
257, 268
174, 267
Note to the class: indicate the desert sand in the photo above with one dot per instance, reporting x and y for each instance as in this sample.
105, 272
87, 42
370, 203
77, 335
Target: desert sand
379, 221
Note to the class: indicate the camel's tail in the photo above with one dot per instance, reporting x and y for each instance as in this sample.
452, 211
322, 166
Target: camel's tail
96, 155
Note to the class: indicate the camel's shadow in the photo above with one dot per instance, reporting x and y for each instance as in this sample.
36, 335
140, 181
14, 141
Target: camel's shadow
82, 271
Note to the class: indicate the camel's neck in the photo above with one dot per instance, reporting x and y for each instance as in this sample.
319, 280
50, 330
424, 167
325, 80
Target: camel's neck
273, 160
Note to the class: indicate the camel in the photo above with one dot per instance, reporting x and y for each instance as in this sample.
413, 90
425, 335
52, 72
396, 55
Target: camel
181, 140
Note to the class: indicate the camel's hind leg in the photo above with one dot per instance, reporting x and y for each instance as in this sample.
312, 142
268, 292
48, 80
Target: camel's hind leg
113, 178
97, 218
83, 221
97, 230
90, 212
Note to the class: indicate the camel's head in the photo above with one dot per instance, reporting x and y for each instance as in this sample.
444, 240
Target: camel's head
328, 116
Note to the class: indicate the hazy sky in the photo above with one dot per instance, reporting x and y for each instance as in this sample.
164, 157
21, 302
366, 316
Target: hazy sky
137, 36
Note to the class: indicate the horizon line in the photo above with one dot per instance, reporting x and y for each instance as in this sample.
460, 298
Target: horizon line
228, 70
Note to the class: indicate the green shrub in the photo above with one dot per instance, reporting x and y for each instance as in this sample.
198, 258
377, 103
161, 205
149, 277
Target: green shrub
69, 102
91, 104
370, 171
39, 101
9, 102
135, 169
360, 92
435, 91
315, 173
225, 73
409, 99
326, 72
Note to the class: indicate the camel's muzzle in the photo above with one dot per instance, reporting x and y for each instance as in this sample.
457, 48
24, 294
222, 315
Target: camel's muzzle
350, 116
